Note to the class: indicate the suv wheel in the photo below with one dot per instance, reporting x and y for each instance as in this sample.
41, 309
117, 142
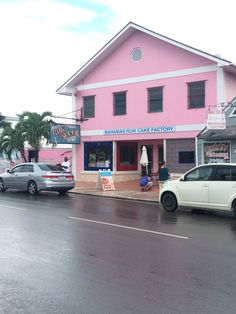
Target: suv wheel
234, 208
169, 202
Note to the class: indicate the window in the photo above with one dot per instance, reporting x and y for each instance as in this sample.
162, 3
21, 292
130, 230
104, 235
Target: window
196, 95
155, 99
28, 168
89, 107
17, 169
200, 174
127, 156
225, 173
216, 152
48, 167
136, 54
119, 103
98, 155
187, 157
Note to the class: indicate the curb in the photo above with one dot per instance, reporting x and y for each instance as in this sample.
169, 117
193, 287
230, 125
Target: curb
116, 197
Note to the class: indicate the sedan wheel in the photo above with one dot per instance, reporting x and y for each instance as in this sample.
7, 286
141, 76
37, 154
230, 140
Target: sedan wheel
62, 192
169, 202
32, 188
2, 188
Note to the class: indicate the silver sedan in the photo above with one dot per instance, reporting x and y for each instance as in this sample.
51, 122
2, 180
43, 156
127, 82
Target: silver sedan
35, 177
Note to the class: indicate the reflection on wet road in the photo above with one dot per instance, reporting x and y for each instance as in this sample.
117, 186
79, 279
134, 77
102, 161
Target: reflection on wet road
83, 254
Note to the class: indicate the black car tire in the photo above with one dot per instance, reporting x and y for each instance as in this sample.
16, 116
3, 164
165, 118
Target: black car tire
2, 188
169, 202
62, 192
234, 208
32, 188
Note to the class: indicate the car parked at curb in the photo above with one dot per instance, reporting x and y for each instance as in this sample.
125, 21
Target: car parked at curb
208, 186
35, 177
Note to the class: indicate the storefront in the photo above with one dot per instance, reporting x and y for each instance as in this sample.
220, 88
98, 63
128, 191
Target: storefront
219, 145
157, 102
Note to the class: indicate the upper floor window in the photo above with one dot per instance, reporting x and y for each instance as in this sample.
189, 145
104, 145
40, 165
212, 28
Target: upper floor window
155, 99
89, 106
119, 100
196, 95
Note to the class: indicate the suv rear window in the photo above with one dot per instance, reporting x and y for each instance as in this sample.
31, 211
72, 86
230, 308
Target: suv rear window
225, 173
47, 167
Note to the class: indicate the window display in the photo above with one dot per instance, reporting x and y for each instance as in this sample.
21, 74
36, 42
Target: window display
98, 155
216, 152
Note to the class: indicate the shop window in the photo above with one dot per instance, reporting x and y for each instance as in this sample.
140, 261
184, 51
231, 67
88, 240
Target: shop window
98, 155
196, 95
155, 99
216, 152
187, 157
89, 107
127, 156
119, 103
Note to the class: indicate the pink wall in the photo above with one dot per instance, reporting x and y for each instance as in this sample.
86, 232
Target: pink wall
174, 104
54, 155
230, 81
158, 57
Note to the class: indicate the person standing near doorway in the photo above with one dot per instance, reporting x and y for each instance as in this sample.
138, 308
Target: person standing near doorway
163, 174
66, 164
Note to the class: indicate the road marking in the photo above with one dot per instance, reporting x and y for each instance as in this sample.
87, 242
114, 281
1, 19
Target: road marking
131, 228
12, 207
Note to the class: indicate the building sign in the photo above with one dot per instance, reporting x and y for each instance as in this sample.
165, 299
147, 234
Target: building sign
65, 134
216, 152
216, 118
106, 180
158, 129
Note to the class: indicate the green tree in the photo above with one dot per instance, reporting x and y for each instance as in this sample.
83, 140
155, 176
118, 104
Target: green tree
12, 141
36, 128
2, 121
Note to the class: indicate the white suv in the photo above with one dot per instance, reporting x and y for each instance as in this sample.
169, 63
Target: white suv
210, 186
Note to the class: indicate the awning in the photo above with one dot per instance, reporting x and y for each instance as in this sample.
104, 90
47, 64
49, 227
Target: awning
228, 133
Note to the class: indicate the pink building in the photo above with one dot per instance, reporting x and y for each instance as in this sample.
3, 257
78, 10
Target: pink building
143, 88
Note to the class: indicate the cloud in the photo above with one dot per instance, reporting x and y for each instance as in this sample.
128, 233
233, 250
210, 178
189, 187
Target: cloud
38, 53
44, 42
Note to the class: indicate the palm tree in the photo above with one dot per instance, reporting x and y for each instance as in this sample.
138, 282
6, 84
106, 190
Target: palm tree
2, 121
12, 141
36, 128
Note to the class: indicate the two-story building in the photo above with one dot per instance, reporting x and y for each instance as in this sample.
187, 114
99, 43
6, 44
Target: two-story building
143, 88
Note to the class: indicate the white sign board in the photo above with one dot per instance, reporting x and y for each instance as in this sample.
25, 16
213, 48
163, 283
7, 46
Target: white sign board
106, 180
216, 119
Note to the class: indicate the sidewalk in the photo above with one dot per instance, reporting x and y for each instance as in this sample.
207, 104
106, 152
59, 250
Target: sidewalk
127, 190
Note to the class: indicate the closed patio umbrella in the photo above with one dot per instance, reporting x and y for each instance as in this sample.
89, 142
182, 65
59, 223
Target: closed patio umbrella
144, 158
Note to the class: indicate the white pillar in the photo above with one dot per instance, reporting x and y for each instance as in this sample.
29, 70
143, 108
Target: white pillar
114, 155
220, 86
164, 150
196, 152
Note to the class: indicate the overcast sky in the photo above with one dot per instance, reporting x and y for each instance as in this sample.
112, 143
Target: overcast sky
44, 42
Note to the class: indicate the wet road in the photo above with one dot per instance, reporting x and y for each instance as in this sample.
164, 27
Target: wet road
84, 254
